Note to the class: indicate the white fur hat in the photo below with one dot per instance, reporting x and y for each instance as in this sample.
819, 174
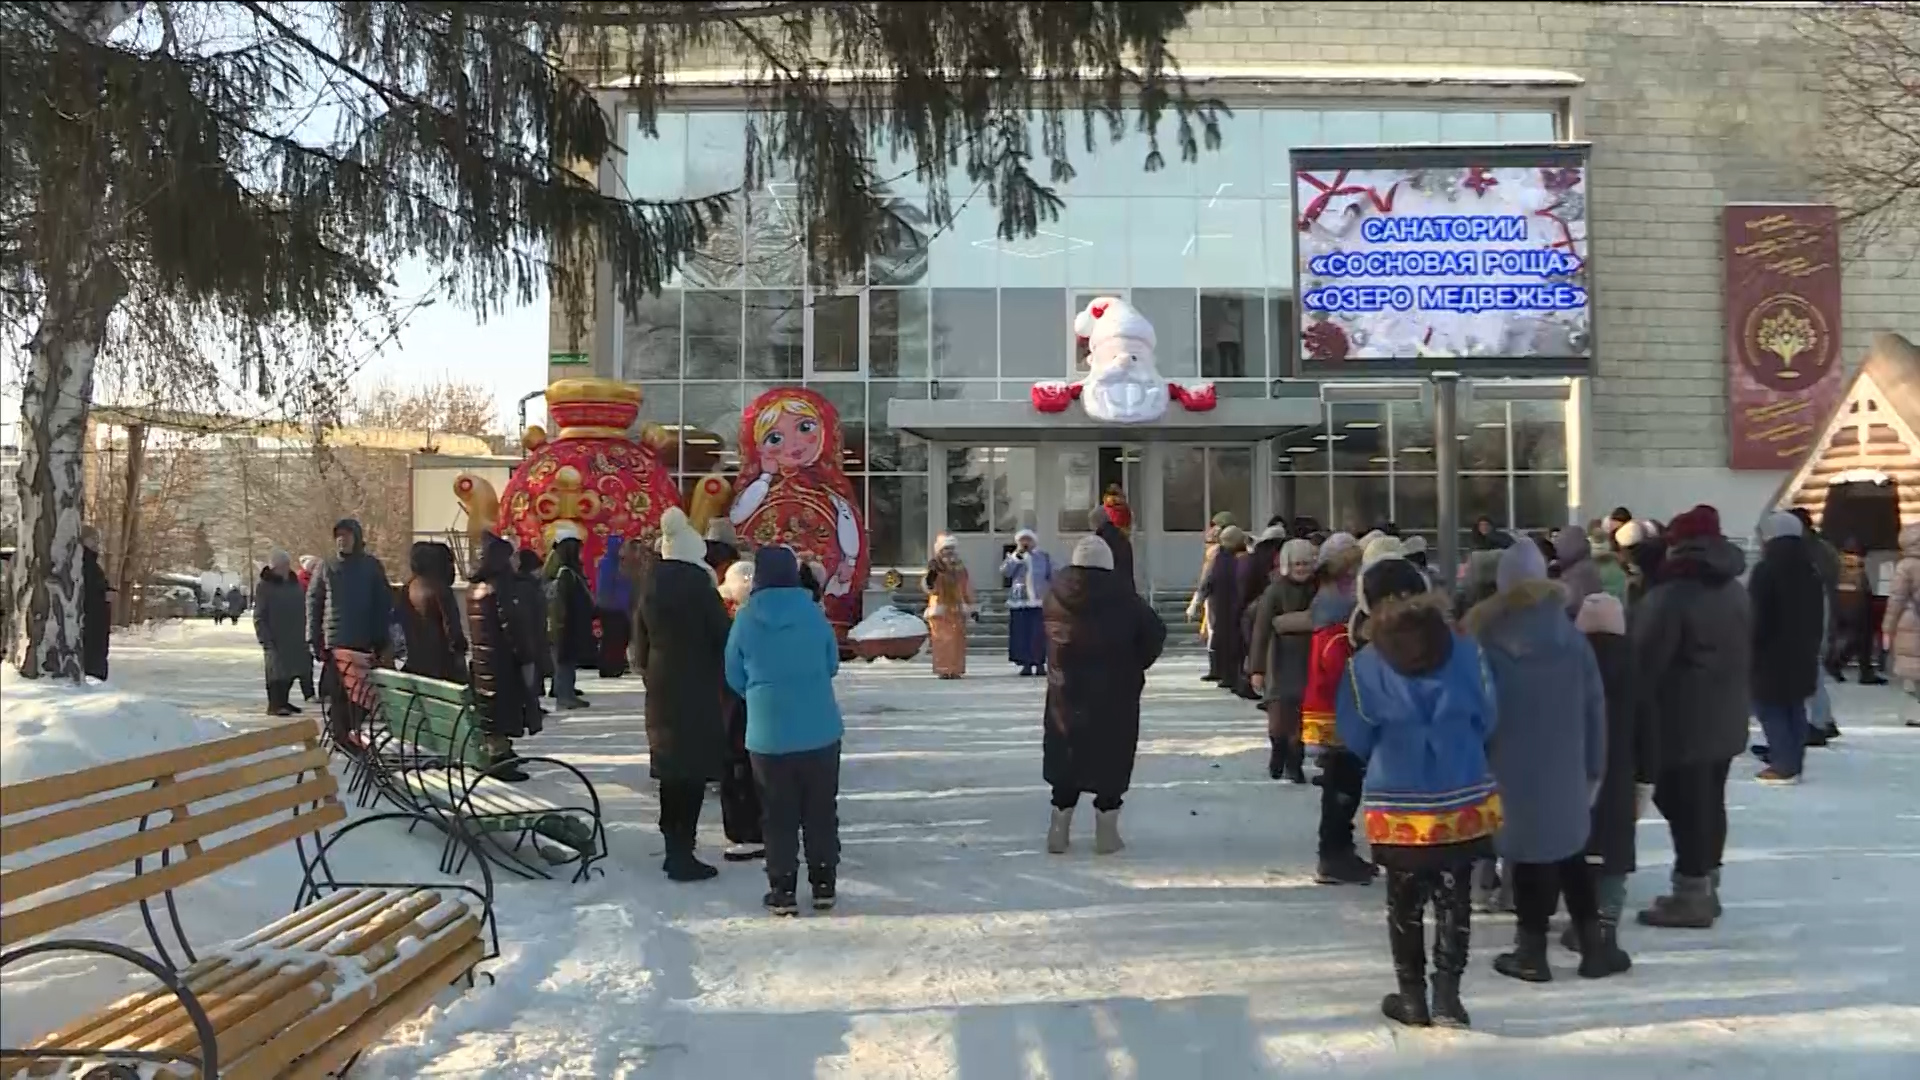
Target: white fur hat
1275, 531
1601, 613
678, 540
1299, 549
1093, 552
738, 583
1379, 549
1337, 545
1635, 532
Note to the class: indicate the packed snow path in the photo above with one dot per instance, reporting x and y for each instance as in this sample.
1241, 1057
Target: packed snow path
961, 949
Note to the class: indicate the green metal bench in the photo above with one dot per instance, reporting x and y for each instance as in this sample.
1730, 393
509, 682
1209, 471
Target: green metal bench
428, 753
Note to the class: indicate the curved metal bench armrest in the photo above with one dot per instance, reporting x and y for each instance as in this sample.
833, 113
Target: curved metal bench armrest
518, 759
209, 1060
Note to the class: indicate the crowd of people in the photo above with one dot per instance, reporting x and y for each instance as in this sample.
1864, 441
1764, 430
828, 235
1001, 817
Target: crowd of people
1494, 737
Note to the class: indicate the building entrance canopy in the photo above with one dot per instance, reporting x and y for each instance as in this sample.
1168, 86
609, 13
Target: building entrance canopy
1018, 423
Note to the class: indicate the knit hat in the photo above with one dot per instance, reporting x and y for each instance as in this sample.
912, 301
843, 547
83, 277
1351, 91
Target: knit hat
279, 560
1778, 524
1601, 613
1519, 564
1299, 549
1335, 546
1381, 548
1232, 538
1700, 523
944, 543
1222, 519
775, 567
1272, 532
1093, 553
1389, 578
678, 541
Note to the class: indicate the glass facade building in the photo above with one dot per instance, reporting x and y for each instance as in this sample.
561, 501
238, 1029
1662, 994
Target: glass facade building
1203, 249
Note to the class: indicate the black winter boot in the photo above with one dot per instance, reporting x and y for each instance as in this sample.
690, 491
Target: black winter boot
1692, 906
1452, 932
1344, 868
1277, 760
1295, 771
780, 899
682, 865
1528, 960
1600, 951
1407, 935
821, 880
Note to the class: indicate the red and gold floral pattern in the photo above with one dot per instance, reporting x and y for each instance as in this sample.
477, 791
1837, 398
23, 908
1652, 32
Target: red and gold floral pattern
1409, 828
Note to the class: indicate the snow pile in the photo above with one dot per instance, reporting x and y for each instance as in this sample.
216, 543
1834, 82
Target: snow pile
888, 624
49, 726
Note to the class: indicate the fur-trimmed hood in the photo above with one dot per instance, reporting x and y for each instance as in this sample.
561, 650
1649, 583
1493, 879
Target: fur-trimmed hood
1528, 594
1411, 633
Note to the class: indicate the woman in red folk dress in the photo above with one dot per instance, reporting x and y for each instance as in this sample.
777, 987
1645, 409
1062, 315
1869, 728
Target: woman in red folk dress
791, 492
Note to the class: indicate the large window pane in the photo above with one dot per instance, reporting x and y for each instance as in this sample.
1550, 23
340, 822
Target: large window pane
1359, 438
776, 335
1539, 436
1360, 503
1234, 169
1175, 329
711, 427
1230, 483
1483, 496
1412, 436
904, 261
897, 332
775, 236
1233, 339
1409, 127
1080, 489
969, 498
1033, 333
1527, 127
1416, 506
965, 333
1540, 501
1039, 260
1483, 437
1161, 241
656, 164
1350, 128
1281, 131
849, 399
1473, 127
651, 347
888, 450
715, 264
716, 158
1183, 489
1097, 231
1283, 350
1295, 497
1301, 449
967, 254
1014, 489
836, 334
897, 520
713, 335
1227, 247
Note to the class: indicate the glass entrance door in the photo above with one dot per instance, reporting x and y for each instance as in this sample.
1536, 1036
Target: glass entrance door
1196, 484
1081, 477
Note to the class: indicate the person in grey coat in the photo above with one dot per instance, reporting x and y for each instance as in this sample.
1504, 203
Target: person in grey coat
280, 625
1574, 566
1280, 652
1549, 756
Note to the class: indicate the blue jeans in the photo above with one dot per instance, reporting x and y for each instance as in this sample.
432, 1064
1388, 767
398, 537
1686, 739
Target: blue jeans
563, 686
1786, 728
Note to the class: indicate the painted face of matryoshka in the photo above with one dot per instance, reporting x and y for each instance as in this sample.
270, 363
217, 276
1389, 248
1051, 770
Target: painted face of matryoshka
791, 435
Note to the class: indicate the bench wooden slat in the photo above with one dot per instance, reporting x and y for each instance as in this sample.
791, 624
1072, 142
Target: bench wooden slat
17, 885
357, 1036
327, 1027
66, 787
66, 911
65, 824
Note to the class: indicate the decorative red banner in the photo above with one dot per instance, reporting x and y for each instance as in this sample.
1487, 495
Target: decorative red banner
1782, 331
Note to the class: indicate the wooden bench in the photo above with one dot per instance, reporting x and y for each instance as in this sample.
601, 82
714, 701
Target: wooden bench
429, 754
301, 997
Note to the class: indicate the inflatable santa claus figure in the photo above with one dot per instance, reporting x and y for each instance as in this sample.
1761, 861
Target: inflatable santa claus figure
1122, 385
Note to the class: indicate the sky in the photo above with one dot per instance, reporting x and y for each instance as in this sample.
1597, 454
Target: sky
507, 354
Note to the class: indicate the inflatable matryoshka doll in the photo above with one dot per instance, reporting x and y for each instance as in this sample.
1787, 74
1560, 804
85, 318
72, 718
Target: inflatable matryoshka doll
791, 491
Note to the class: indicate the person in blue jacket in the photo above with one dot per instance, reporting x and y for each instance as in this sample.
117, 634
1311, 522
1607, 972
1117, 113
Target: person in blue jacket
1417, 706
781, 657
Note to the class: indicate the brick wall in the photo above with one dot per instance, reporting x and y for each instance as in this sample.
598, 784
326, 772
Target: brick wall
1689, 107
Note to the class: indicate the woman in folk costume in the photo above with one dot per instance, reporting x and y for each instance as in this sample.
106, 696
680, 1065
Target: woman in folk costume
1029, 572
949, 605
739, 796
1341, 773
793, 493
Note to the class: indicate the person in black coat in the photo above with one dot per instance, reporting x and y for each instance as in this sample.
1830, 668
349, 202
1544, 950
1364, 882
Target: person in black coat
1117, 543
683, 630
1101, 639
501, 664
96, 607
1788, 600
569, 621
430, 616
1220, 592
1611, 848
529, 598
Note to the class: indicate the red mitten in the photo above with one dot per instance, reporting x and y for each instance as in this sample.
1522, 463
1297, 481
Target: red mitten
1052, 397
1200, 398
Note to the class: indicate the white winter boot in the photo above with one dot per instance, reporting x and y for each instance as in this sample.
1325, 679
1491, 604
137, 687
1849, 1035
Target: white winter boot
1057, 833
1106, 832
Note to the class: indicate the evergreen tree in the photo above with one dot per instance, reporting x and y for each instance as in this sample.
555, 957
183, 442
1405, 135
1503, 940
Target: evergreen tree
251, 169
202, 553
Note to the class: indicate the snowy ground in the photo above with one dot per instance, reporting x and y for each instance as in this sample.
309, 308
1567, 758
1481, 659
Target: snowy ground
962, 950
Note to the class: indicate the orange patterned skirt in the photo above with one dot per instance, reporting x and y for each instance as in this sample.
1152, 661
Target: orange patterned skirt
948, 632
